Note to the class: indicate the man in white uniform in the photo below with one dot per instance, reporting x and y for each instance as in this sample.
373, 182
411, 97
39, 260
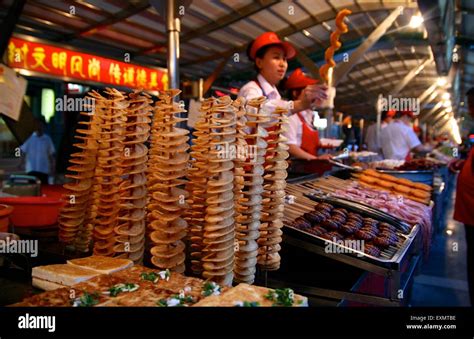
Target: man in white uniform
371, 139
39, 152
398, 139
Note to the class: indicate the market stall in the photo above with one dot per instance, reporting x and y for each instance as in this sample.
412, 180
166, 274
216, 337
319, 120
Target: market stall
156, 213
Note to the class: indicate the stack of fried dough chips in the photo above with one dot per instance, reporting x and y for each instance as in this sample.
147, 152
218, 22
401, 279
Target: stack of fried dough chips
249, 206
167, 166
274, 194
130, 232
198, 177
75, 221
140, 192
218, 235
240, 164
111, 112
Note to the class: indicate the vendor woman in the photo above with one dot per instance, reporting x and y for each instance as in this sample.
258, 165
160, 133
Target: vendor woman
303, 137
270, 56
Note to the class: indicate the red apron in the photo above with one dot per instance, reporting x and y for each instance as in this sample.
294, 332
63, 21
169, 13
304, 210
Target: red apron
309, 138
464, 206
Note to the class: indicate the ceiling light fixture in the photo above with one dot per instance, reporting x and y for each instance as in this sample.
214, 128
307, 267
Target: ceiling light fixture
416, 21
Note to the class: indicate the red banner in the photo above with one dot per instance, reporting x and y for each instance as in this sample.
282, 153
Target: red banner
62, 62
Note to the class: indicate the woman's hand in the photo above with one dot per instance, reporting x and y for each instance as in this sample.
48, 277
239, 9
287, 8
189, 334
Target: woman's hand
325, 157
315, 94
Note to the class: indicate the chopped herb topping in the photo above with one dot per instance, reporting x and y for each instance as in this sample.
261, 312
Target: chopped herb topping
86, 300
247, 304
176, 301
165, 275
211, 288
117, 289
152, 276
281, 297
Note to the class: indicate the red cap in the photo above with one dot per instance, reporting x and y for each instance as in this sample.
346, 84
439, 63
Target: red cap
391, 113
270, 38
298, 79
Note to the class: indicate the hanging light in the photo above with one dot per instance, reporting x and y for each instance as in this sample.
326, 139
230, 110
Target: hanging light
455, 131
416, 21
449, 109
446, 96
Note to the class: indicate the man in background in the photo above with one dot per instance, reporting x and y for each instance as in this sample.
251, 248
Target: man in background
371, 139
39, 153
398, 140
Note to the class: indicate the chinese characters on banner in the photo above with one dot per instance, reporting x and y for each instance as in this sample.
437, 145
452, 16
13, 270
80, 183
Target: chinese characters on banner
48, 59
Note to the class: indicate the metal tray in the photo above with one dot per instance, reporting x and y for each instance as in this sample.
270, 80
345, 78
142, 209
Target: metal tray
362, 208
422, 176
390, 258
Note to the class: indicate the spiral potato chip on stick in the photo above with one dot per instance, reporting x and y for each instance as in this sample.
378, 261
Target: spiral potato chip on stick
198, 177
219, 229
167, 167
75, 227
274, 193
341, 28
249, 206
111, 114
130, 233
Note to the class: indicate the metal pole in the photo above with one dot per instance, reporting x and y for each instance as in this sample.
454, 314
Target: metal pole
329, 116
379, 119
173, 29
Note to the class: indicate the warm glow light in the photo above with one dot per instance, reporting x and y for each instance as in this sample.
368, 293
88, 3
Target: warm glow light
455, 131
416, 21
441, 81
305, 32
447, 103
449, 232
446, 96
449, 109
321, 123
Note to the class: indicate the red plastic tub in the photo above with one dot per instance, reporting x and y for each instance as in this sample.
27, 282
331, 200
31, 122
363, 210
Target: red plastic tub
53, 191
5, 212
33, 211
